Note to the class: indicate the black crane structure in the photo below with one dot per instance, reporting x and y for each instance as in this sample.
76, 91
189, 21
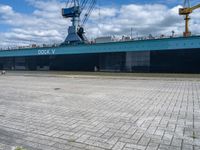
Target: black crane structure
75, 9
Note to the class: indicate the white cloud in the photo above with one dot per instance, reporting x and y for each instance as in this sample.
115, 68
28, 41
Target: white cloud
144, 19
103, 12
46, 25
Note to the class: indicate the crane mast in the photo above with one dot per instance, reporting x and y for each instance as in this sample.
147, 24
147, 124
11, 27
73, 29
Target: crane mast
186, 11
73, 10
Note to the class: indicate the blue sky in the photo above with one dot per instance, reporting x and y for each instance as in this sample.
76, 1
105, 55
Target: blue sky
23, 6
19, 5
41, 20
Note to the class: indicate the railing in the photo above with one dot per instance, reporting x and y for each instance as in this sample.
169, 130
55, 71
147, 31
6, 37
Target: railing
91, 42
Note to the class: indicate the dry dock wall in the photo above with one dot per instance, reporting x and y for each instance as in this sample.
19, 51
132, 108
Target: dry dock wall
177, 61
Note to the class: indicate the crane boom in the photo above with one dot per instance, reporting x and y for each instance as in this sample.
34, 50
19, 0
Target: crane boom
195, 7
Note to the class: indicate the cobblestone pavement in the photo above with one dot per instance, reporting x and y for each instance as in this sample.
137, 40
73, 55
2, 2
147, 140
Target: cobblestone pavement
60, 113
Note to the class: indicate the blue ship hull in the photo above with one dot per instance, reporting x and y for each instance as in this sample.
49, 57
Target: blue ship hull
177, 55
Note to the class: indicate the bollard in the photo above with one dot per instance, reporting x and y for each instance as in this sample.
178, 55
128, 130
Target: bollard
3, 72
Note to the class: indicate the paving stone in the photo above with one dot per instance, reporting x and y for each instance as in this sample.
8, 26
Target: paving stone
187, 147
152, 146
99, 113
163, 147
144, 141
134, 146
176, 142
119, 146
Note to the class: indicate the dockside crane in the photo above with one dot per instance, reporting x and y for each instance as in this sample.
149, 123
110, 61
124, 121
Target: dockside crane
74, 9
186, 11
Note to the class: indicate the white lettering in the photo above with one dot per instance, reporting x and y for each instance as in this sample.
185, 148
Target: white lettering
53, 51
47, 52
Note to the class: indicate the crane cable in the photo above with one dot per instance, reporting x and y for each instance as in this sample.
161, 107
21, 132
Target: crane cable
89, 11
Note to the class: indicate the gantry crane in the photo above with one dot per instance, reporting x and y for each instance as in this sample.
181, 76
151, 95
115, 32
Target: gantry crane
74, 9
186, 11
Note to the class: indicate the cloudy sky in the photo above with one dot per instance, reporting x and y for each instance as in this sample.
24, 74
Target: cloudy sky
25, 22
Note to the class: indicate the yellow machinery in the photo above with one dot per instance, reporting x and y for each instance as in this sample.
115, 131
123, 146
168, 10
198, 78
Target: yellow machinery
187, 10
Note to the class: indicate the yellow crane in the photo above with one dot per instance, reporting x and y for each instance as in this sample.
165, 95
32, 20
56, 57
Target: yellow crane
186, 11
